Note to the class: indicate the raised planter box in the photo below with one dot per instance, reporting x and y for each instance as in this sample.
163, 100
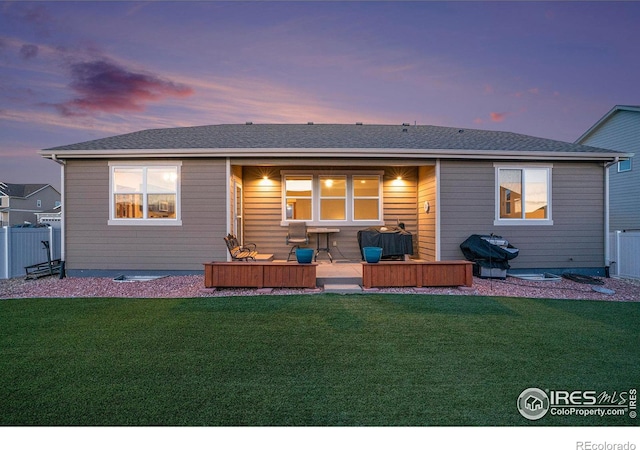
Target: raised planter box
417, 274
259, 274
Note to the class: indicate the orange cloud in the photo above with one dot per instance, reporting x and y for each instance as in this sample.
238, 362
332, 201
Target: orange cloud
497, 117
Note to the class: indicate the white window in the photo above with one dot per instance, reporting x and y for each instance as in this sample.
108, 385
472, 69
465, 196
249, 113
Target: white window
145, 194
624, 166
332, 199
298, 197
366, 197
523, 195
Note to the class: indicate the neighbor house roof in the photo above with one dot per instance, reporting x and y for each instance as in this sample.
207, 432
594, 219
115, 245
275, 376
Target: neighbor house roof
20, 190
605, 118
328, 140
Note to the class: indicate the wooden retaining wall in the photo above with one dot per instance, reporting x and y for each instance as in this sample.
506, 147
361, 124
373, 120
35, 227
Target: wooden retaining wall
417, 273
260, 274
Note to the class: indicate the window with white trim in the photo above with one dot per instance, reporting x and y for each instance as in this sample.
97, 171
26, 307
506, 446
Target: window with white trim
366, 197
523, 195
332, 199
624, 166
145, 194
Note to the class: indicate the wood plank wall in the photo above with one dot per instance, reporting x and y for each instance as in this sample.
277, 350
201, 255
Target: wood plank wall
427, 186
263, 210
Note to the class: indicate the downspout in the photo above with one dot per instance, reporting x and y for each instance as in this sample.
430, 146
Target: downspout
63, 211
607, 261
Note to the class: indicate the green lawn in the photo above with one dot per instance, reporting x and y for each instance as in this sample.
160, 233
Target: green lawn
308, 360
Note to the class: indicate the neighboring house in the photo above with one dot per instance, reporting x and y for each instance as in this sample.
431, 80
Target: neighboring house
619, 129
19, 203
163, 199
52, 217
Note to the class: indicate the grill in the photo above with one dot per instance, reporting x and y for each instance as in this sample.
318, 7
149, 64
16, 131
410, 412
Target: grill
490, 254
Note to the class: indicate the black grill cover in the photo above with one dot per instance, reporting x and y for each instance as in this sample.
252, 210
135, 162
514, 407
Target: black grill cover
393, 240
486, 254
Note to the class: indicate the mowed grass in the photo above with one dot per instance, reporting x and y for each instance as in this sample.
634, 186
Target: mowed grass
361, 360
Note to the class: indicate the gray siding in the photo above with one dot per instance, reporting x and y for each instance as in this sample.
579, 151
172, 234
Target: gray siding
92, 244
25, 209
622, 132
263, 212
575, 240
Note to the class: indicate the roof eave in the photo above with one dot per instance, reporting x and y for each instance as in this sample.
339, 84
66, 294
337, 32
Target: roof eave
333, 153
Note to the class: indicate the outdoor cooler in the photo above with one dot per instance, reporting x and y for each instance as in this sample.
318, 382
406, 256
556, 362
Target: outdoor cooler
490, 254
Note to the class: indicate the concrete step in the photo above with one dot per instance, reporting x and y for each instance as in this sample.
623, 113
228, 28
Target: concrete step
334, 288
322, 281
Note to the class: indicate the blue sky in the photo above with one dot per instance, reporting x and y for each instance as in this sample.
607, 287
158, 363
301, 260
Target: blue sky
75, 71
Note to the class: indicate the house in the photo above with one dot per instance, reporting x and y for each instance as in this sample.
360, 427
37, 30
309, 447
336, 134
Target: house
619, 129
51, 217
19, 203
162, 199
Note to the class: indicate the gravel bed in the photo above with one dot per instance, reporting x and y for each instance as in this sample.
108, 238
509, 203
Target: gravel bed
193, 286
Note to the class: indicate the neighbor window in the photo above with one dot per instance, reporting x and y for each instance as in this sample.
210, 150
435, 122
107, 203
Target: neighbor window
324, 199
624, 166
145, 194
523, 195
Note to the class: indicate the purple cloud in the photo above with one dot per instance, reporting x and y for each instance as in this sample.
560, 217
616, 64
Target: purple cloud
102, 86
28, 51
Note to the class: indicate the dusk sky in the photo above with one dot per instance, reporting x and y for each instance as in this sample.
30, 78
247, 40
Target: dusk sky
76, 71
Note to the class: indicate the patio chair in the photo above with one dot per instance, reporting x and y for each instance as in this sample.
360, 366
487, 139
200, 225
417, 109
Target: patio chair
296, 236
239, 252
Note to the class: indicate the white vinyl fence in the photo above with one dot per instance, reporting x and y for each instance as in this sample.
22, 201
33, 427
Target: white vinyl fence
20, 247
624, 254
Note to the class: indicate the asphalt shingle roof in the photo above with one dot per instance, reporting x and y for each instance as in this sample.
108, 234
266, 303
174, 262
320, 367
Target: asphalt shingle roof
19, 190
319, 136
